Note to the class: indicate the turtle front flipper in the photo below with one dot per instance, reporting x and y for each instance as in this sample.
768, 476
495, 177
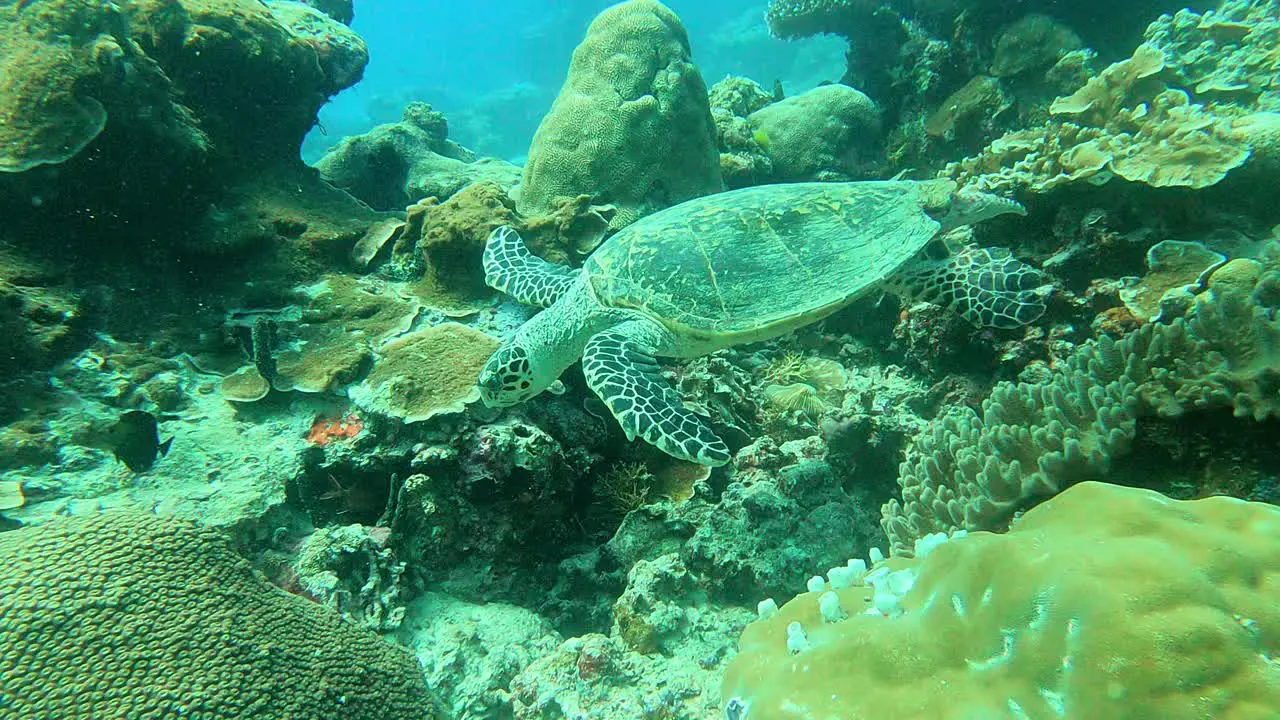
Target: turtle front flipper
512, 269
986, 286
622, 371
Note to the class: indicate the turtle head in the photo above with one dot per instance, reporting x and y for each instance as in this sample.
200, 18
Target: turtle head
967, 207
513, 375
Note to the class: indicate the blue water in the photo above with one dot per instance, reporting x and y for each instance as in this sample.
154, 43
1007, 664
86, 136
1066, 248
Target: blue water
494, 66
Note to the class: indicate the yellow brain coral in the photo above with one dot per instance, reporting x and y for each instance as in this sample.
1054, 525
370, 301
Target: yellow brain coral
133, 615
1104, 602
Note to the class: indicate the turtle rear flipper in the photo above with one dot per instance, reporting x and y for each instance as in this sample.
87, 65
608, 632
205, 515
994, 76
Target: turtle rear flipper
986, 286
512, 269
622, 371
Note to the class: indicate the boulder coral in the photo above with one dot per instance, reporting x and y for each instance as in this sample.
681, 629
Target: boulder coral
828, 133
631, 125
1104, 602
138, 615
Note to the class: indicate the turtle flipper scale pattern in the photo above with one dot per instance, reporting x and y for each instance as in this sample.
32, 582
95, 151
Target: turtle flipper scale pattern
986, 286
510, 268
630, 382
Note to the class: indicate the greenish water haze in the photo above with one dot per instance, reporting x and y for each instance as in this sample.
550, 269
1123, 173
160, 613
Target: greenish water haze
494, 66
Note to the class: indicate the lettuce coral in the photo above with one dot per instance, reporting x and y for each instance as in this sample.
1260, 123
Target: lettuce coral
1104, 602
1229, 52
631, 125
975, 469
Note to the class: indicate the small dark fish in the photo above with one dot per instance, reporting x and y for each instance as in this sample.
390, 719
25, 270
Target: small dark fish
135, 440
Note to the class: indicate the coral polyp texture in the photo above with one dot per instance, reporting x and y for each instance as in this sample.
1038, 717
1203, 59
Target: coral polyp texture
802, 18
1104, 602
130, 615
631, 125
974, 469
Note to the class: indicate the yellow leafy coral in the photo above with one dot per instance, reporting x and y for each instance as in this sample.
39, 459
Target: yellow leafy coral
1104, 602
1127, 122
427, 373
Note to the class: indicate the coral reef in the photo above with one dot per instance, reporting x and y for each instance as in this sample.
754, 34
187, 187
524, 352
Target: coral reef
441, 244
661, 659
744, 160
772, 526
181, 624
173, 278
471, 651
631, 126
974, 470
1104, 602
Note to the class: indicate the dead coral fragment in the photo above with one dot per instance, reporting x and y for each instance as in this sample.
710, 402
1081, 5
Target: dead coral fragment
11, 496
428, 373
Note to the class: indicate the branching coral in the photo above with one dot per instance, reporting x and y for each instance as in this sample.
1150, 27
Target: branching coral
975, 469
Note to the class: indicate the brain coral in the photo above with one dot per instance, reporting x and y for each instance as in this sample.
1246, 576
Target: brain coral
1104, 602
133, 615
631, 126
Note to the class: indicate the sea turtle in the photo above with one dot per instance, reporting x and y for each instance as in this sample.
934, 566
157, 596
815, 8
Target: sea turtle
731, 268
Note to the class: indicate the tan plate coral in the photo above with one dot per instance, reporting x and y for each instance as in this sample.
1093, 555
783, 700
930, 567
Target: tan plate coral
427, 373
1130, 122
